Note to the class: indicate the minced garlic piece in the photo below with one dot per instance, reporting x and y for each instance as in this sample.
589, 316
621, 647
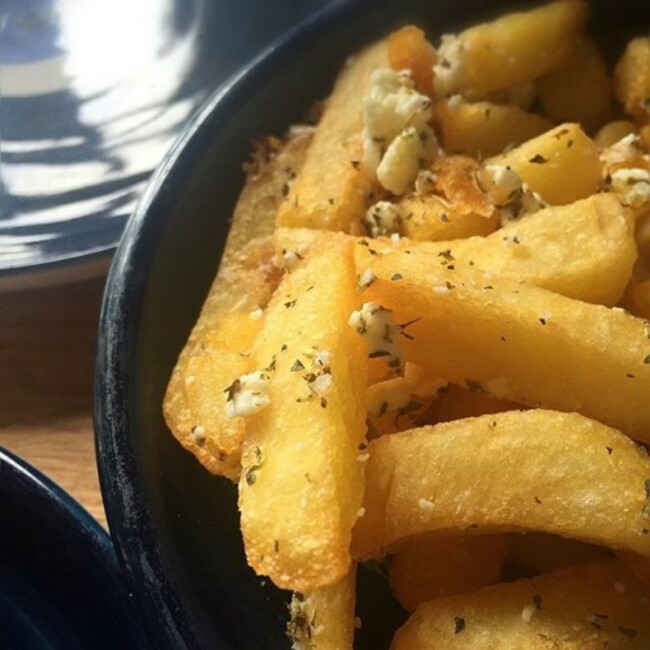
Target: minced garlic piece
376, 325
290, 259
405, 156
382, 219
247, 395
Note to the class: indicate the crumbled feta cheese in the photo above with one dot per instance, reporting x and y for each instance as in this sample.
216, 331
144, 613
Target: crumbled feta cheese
290, 259
405, 156
509, 193
198, 435
383, 218
323, 359
527, 613
376, 325
248, 395
392, 109
321, 384
426, 506
633, 184
627, 148
256, 314
441, 289
449, 70
503, 183
365, 280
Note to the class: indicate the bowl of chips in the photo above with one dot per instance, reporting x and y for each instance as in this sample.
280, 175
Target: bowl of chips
414, 397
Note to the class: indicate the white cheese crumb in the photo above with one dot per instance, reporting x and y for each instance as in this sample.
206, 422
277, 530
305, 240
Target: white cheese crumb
322, 384
290, 259
376, 325
392, 109
383, 218
633, 183
455, 102
619, 588
441, 289
198, 435
426, 506
627, 148
527, 613
323, 358
409, 152
365, 280
256, 314
504, 183
248, 395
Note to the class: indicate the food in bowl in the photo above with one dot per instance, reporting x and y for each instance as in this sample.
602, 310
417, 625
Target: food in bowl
427, 337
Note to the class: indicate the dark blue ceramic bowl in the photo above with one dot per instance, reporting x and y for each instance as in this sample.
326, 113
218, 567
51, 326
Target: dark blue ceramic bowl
175, 526
60, 584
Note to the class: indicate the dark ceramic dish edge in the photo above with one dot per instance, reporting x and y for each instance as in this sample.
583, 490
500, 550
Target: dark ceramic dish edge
52, 521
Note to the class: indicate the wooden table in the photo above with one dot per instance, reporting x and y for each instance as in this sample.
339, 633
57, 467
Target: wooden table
47, 348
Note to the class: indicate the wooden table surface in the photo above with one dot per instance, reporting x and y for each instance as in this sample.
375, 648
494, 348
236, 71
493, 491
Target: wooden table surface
47, 348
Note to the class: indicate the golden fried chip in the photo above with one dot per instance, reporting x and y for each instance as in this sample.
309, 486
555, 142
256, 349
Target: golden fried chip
521, 470
592, 606
302, 480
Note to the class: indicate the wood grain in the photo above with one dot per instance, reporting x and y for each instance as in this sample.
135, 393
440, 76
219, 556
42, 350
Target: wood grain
47, 348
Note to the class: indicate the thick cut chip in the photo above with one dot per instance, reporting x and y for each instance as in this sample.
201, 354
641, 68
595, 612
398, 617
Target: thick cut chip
539, 250
195, 402
547, 161
579, 91
302, 480
428, 568
510, 50
324, 619
632, 79
521, 470
519, 342
597, 605
331, 189
484, 129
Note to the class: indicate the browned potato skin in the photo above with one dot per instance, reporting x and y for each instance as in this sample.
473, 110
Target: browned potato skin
428, 568
520, 342
483, 129
302, 480
520, 470
597, 605
580, 90
331, 189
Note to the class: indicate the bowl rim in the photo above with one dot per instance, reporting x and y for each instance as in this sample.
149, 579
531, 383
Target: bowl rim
129, 519
56, 514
